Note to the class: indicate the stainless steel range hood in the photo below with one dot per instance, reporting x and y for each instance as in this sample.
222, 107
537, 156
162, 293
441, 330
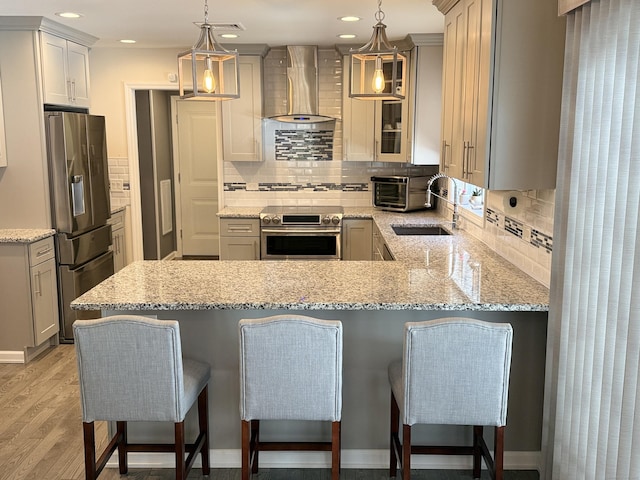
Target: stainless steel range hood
302, 87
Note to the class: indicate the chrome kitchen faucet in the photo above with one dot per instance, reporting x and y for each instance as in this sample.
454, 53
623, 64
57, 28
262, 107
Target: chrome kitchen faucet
456, 215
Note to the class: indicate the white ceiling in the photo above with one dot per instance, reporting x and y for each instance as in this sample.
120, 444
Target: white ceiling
169, 23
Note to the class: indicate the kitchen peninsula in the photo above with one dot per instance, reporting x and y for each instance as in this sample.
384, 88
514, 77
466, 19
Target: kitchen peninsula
431, 277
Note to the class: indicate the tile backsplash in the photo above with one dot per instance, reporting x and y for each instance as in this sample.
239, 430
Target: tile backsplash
303, 165
119, 182
294, 145
522, 234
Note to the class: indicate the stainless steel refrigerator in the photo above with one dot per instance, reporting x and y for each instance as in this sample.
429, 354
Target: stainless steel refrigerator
80, 207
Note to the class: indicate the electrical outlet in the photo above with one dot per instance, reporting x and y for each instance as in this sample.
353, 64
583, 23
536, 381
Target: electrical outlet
116, 185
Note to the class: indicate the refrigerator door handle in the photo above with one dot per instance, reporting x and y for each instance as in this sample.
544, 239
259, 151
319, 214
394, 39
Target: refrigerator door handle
77, 194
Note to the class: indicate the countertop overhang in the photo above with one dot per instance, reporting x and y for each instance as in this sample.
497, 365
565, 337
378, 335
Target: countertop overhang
455, 272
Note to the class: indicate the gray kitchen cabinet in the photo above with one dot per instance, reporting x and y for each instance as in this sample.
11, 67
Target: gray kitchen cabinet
28, 294
356, 239
239, 239
242, 117
501, 98
406, 131
118, 240
380, 251
374, 130
65, 71
425, 105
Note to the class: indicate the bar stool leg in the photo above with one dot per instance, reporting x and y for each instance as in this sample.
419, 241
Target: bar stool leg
203, 422
335, 450
406, 452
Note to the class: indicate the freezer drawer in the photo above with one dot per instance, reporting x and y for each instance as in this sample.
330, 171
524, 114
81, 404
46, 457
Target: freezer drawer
75, 251
75, 282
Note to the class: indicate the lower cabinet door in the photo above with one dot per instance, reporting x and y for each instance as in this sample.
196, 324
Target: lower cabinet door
44, 301
239, 248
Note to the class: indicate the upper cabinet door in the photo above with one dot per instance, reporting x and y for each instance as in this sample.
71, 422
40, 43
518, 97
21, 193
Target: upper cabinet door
242, 117
78, 72
65, 72
358, 127
54, 70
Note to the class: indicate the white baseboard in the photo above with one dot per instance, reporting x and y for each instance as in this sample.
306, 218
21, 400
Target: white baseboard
371, 459
8, 356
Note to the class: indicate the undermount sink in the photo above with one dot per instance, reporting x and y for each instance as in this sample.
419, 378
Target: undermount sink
419, 230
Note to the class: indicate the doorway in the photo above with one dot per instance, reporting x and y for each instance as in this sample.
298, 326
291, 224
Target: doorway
195, 130
137, 201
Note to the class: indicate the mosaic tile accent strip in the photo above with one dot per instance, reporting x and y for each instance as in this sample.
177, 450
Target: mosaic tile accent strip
513, 226
540, 240
302, 187
492, 216
316, 145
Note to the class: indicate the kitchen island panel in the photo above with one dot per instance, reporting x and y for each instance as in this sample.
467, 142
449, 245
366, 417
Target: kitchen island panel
371, 340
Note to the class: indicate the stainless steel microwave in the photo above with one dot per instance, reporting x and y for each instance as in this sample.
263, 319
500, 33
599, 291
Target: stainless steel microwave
400, 193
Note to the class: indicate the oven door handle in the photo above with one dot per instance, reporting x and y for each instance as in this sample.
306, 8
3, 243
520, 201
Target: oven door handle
288, 231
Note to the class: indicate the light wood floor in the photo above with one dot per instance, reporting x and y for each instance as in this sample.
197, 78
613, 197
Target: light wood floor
41, 432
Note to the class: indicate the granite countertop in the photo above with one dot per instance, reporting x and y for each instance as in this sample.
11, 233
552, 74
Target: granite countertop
24, 235
455, 272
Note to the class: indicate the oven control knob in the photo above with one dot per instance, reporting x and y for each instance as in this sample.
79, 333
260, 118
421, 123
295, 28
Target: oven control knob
266, 220
275, 220
335, 220
326, 220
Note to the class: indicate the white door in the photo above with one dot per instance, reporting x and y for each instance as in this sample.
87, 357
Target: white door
196, 149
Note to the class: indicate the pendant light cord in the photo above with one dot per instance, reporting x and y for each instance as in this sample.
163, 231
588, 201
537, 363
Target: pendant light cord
379, 16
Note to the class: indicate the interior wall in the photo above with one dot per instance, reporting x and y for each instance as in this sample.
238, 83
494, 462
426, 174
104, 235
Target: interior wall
111, 69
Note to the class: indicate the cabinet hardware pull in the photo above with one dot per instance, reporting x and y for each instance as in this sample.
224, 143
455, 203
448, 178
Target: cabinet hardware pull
43, 251
469, 148
38, 285
464, 158
445, 145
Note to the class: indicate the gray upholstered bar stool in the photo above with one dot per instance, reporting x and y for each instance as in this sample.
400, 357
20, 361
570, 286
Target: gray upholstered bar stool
453, 371
131, 369
290, 369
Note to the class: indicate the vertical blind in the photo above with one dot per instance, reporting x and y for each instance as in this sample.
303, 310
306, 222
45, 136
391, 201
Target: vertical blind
565, 6
592, 395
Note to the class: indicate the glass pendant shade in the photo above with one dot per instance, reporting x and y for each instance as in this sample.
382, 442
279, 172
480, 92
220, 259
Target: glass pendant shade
208, 71
377, 70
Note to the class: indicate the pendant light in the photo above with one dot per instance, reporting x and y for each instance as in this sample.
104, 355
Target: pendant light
208, 71
377, 70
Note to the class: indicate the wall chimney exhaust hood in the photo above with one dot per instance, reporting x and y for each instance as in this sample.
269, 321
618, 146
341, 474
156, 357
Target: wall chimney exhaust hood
302, 87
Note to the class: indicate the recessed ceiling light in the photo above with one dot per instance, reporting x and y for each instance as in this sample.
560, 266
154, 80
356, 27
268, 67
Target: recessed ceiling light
127, 41
346, 36
349, 18
229, 35
68, 15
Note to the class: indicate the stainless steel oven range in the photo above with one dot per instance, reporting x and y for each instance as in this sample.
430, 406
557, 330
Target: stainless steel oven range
300, 232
